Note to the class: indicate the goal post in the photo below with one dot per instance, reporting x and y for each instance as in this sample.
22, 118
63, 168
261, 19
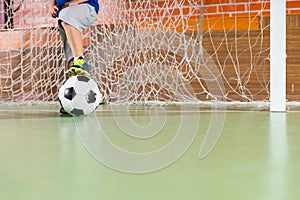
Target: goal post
278, 56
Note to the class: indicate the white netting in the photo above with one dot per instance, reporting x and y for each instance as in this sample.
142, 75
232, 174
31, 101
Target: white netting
141, 51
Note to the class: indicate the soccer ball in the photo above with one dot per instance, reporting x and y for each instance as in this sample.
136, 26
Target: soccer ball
79, 95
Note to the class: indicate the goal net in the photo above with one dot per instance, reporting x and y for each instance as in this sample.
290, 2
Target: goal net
142, 51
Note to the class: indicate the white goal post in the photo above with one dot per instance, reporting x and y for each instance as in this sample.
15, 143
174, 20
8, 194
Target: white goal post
278, 56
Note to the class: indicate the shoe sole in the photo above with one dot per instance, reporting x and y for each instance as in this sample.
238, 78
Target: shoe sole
63, 112
78, 71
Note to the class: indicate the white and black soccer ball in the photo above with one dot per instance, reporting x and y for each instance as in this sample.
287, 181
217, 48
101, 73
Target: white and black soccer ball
79, 95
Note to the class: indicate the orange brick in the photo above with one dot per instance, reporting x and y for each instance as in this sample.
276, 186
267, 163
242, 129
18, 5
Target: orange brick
244, 14
169, 13
159, 4
232, 8
260, 6
210, 9
168, 4
25, 12
293, 4
209, 2
265, 13
293, 12
215, 15
246, 1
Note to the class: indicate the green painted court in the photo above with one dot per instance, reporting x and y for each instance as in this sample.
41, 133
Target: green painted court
256, 155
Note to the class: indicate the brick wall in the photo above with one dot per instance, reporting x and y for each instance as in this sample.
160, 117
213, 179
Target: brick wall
34, 13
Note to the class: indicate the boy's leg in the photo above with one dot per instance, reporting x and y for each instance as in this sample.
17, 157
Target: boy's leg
74, 20
79, 66
67, 49
74, 38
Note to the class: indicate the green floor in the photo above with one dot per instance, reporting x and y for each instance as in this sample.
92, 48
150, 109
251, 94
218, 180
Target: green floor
256, 156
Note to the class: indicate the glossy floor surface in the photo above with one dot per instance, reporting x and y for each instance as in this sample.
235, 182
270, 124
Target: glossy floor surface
176, 153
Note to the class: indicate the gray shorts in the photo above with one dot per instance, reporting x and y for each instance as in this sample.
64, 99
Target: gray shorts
79, 16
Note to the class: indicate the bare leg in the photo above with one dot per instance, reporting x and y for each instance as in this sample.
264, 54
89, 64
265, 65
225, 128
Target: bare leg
74, 38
